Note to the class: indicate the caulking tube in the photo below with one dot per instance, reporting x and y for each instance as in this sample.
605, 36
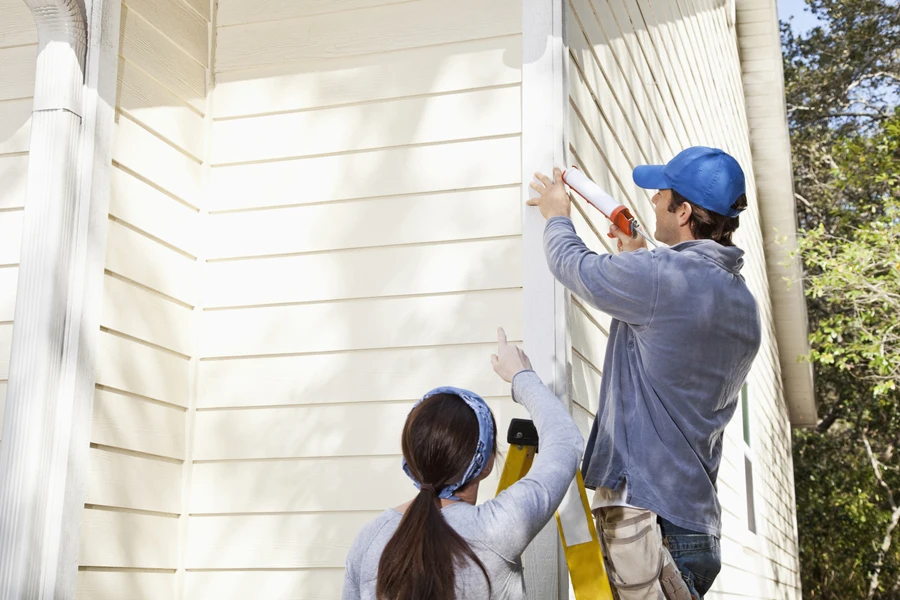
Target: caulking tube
590, 191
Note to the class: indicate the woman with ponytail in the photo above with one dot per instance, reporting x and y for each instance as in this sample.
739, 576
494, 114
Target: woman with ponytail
440, 545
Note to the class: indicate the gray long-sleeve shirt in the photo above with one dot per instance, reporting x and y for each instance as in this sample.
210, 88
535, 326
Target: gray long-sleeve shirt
684, 334
500, 529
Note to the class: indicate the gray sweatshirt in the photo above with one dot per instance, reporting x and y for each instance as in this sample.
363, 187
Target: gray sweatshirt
684, 334
500, 529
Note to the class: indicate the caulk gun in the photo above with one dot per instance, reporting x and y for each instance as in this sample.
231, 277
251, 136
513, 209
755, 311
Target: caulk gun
615, 212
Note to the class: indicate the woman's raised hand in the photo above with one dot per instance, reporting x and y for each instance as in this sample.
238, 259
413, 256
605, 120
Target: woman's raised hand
509, 359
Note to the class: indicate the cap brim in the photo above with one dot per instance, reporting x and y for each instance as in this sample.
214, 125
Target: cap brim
651, 177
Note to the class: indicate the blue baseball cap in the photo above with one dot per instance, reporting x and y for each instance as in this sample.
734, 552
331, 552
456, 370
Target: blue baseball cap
708, 177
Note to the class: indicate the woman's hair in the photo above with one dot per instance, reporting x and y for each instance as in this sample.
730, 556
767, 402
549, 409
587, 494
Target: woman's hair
707, 225
420, 560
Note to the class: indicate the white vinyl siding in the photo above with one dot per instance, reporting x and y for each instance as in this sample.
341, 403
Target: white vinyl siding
363, 244
18, 50
132, 533
648, 78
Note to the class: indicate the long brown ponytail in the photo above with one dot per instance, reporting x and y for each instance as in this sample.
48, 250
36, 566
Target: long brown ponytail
420, 560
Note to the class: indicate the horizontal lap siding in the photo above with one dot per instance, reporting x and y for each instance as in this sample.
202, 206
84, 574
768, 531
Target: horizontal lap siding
381, 124
363, 242
130, 535
648, 78
18, 50
372, 224
379, 375
481, 163
290, 584
262, 41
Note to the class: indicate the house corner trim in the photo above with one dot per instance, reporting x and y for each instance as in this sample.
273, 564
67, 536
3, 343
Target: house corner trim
544, 104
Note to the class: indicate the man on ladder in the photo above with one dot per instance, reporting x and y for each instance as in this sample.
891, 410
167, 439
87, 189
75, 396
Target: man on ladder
684, 333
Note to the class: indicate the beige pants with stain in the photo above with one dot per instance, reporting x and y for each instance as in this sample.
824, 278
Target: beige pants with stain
638, 563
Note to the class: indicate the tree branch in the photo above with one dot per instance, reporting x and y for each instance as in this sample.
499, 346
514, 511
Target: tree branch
871, 76
885, 337
885, 546
803, 200
861, 115
826, 423
892, 524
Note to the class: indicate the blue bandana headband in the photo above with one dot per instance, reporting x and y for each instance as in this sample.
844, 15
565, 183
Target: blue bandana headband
485, 439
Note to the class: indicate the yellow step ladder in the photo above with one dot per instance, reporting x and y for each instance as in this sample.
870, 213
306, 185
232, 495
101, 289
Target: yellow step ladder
576, 524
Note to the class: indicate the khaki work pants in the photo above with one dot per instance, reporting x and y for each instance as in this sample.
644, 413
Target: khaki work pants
638, 563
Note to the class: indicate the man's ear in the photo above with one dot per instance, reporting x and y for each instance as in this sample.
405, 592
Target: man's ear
684, 213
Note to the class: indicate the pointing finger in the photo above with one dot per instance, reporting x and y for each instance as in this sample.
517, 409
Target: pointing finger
501, 337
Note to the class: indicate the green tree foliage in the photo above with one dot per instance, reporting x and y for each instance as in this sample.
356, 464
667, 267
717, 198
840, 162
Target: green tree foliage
842, 83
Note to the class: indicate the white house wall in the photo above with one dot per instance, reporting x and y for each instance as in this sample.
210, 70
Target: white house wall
18, 50
648, 78
132, 529
295, 258
363, 242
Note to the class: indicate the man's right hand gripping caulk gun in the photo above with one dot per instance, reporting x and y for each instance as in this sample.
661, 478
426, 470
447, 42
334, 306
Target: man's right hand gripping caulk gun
684, 334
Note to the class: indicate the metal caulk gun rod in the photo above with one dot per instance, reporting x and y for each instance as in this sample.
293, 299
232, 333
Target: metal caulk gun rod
636, 226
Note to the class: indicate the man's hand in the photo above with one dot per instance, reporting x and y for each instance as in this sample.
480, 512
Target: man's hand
625, 243
509, 359
554, 200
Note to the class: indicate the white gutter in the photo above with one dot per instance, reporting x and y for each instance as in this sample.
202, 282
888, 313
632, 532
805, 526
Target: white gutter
44, 453
763, 78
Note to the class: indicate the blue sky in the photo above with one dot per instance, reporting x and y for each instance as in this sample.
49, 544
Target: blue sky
803, 21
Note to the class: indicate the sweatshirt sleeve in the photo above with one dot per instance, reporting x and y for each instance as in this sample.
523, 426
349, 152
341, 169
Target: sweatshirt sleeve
623, 286
351, 587
511, 520
352, 569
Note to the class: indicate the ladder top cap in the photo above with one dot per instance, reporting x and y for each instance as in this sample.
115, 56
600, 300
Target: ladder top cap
522, 432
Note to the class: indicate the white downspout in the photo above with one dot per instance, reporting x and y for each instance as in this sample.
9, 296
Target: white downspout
44, 452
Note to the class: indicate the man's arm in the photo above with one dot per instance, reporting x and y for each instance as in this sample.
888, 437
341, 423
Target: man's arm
624, 286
